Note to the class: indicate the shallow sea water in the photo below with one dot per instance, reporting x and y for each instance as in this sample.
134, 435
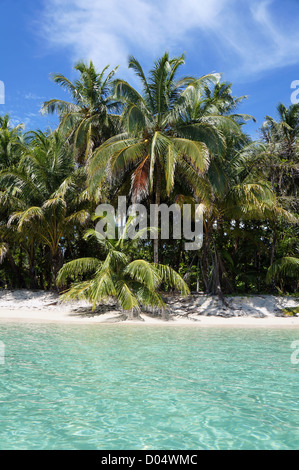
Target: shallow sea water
146, 387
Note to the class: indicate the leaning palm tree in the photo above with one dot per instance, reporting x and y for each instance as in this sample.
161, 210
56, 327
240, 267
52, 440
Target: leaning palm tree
134, 283
157, 142
88, 119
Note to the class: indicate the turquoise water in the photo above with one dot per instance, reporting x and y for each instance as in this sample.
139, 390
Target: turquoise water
135, 387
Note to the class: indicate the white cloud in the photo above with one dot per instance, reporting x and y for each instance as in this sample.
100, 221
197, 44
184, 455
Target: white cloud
33, 96
249, 35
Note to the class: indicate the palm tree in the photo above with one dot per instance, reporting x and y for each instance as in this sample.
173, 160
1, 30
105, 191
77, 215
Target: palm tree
9, 240
238, 195
279, 165
235, 191
45, 188
133, 282
281, 138
11, 147
156, 143
287, 128
219, 99
283, 269
88, 119
11, 143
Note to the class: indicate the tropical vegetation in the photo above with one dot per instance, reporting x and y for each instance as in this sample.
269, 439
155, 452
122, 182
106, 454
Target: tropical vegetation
170, 139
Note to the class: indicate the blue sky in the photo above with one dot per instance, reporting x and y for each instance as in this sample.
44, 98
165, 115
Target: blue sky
255, 44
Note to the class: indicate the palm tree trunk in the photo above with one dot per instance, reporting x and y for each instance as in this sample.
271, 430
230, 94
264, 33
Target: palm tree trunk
205, 256
156, 217
197, 274
217, 290
33, 282
179, 254
16, 272
273, 246
56, 259
273, 249
236, 243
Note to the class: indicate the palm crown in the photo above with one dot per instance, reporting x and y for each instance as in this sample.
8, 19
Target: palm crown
133, 282
88, 119
156, 140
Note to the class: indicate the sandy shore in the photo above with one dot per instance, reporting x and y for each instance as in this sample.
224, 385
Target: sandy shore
199, 310
62, 317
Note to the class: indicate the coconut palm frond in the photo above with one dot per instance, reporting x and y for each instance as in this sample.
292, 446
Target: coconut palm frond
287, 266
3, 251
126, 297
24, 217
172, 278
78, 291
140, 181
80, 217
145, 273
150, 298
195, 152
77, 268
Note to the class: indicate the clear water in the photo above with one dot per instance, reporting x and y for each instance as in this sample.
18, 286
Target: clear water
135, 387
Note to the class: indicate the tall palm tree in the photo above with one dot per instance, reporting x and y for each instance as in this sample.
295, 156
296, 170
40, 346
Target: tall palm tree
156, 143
279, 164
281, 138
11, 147
88, 119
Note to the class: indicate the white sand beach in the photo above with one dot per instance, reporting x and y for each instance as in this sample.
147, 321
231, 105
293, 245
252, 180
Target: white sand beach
195, 310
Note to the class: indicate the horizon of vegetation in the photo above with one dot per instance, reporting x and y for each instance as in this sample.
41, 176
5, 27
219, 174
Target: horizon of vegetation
180, 140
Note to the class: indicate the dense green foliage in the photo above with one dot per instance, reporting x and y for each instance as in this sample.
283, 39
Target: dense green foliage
176, 140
